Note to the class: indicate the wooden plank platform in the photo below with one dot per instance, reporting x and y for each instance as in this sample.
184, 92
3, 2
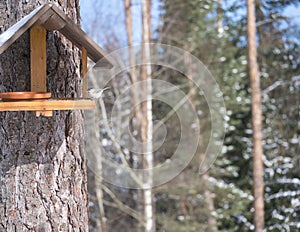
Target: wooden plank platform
49, 105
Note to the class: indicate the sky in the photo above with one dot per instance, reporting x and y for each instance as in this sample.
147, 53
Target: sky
294, 13
111, 18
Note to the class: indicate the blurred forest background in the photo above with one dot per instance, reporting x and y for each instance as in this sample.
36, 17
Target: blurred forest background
215, 32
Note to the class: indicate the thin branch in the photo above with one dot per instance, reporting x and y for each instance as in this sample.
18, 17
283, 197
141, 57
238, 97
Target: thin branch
116, 144
114, 140
280, 83
120, 205
175, 108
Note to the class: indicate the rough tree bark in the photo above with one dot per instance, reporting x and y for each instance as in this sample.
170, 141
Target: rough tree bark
42, 160
258, 171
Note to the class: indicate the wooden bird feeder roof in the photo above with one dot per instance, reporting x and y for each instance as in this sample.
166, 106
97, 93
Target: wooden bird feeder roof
49, 17
53, 19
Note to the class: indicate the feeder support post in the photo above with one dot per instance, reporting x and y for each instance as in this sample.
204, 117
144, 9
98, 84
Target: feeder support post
84, 72
38, 62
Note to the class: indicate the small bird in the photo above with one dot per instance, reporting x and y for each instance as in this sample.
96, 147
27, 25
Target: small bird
96, 93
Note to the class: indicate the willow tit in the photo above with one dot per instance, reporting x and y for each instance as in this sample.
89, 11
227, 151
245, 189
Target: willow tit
96, 93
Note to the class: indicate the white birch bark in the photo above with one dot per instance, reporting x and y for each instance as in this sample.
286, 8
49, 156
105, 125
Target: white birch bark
147, 139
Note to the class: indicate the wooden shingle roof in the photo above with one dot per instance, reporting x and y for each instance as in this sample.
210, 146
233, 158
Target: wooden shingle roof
52, 18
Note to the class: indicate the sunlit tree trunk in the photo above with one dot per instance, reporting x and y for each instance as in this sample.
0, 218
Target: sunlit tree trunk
212, 222
98, 176
258, 171
133, 70
137, 125
220, 16
147, 126
128, 19
42, 160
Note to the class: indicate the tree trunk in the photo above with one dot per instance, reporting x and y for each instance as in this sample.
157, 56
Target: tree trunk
258, 173
220, 16
137, 194
133, 70
209, 202
42, 160
212, 222
147, 125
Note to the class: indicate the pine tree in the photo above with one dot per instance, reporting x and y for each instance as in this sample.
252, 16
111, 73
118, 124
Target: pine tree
199, 33
258, 172
42, 160
278, 51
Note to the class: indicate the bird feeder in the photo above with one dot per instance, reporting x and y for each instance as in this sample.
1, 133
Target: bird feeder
47, 18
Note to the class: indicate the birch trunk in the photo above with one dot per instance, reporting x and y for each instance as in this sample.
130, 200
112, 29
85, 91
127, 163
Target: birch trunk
147, 125
42, 160
258, 171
